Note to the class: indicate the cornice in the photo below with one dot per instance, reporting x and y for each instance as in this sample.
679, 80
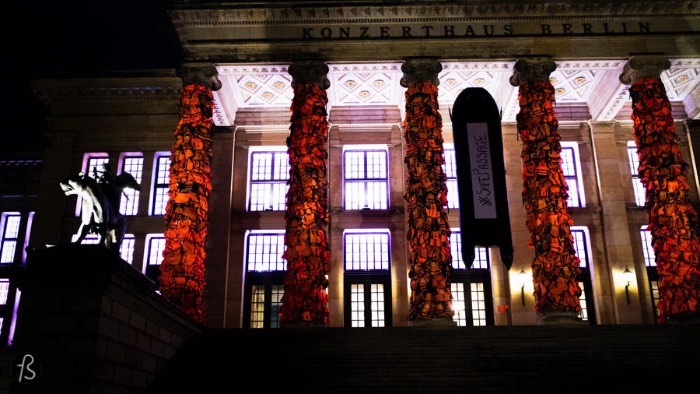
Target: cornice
325, 14
117, 89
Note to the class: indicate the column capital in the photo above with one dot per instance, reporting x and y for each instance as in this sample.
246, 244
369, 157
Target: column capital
200, 74
310, 71
420, 69
642, 66
536, 68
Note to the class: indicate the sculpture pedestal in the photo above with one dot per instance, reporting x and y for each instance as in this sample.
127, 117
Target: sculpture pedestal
437, 322
687, 318
303, 324
85, 313
560, 318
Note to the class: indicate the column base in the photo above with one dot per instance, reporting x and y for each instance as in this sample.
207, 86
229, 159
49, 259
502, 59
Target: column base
303, 324
686, 318
560, 318
436, 322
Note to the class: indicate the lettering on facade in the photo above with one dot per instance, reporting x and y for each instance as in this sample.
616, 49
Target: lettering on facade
474, 30
482, 173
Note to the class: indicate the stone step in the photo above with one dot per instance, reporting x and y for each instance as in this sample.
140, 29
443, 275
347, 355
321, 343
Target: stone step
457, 359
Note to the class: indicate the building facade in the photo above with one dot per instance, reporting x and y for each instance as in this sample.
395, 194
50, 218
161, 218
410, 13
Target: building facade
129, 122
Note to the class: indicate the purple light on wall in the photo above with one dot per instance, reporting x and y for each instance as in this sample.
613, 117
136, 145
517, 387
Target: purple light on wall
30, 218
13, 322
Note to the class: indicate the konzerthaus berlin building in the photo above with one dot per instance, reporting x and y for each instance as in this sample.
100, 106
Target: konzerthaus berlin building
347, 215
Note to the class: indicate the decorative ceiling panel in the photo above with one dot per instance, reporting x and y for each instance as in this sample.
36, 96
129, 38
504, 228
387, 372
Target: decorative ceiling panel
580, 82
681, 78
365, 84
259, 86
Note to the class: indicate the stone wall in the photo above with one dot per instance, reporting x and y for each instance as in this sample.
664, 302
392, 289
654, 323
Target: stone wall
92, 323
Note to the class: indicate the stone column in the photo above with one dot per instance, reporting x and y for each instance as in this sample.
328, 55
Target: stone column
672, 219
186, 214
305, 299
555, 266
428, 231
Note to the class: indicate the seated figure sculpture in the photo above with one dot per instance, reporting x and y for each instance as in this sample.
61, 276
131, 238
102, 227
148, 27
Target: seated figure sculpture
100, 199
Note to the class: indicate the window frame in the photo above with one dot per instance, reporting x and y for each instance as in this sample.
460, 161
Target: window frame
637, 185
130, 241
481, 253
449, 167
157, 186
383, 201
466, 280
578, 175
366, 278
268, 279
5, 218
648, 252
129, 204
87, 168
585, 277
274, 150
358, 232
247, 252
152, 271
468, 276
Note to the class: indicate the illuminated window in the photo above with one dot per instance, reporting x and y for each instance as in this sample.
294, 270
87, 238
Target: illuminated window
459, 303
276, 305
475, 300
264, 278
377, 303
155, 245
265, 304
90, 239
357, 305
571, 166
92, 167
647, 247
367, 278
655, 298
450, 169
126, 249
582, 249
264, 251
133, 165
9, 224
161, 183
580, 235
12, 234
639, 193
257, 307
366, 251
269, 172
470, 286
478, 304
366, 312
365, 179
92, 164
582, 300
9, 306
481, 255
4, 290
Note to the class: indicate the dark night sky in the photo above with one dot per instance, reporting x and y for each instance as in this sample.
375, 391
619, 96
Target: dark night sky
50, 38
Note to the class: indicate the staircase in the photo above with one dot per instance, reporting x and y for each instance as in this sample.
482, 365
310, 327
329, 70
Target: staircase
509, 359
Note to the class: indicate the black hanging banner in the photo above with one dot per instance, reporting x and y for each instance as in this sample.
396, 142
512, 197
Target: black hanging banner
481, 175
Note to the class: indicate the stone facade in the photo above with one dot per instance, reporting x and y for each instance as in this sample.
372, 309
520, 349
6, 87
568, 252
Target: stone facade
252, 49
